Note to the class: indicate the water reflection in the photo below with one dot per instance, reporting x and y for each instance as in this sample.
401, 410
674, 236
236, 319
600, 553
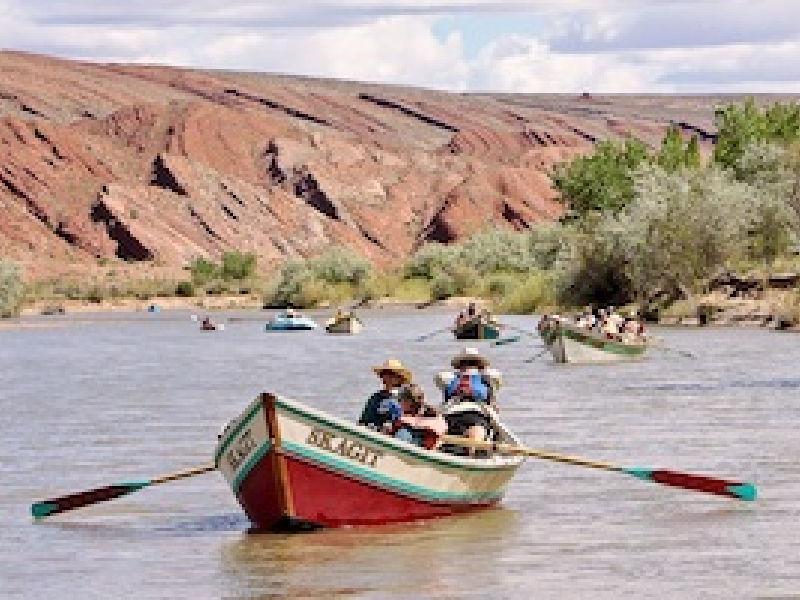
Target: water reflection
426, 558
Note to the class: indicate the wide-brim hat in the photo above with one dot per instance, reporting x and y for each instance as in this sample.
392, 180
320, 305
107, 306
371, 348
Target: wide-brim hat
394, 366
469, 355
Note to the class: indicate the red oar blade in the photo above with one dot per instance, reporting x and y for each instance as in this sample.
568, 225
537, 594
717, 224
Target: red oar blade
53, 506
698, 483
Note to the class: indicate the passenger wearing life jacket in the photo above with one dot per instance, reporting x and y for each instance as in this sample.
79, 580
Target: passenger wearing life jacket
469, 395
419, 424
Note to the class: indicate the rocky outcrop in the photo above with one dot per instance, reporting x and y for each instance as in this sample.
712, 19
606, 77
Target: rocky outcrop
148, 167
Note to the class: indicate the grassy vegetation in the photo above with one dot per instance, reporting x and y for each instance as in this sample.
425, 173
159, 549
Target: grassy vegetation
235, 275
644, 227
11, 288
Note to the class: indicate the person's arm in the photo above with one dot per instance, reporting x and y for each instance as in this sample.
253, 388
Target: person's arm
368, 413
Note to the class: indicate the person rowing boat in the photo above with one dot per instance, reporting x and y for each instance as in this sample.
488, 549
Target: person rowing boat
470, 395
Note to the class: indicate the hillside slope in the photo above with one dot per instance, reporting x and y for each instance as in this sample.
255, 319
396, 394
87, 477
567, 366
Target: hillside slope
135, 165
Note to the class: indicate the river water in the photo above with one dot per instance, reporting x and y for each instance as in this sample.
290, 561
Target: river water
89, 400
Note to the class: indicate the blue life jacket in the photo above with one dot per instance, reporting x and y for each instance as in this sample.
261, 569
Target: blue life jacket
468, 386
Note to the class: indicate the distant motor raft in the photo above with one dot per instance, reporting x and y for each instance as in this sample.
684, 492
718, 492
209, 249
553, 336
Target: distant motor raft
290, 320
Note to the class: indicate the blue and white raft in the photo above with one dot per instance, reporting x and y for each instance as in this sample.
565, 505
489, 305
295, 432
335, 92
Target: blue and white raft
290, 320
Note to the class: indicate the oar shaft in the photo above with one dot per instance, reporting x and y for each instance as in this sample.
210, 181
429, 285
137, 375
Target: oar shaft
698, 483
183, 474
501, 448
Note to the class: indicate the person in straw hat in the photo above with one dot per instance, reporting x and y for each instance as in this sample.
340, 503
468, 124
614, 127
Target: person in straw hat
468, 392
384, 406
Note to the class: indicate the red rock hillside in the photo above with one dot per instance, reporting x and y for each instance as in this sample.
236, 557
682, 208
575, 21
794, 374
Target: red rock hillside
134, 165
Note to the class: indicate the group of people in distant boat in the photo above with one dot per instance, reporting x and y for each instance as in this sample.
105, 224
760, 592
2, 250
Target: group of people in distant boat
471, 313
468, 408
603, 321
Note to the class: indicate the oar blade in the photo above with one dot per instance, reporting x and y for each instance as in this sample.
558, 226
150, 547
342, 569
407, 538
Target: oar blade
699, 483
53, 506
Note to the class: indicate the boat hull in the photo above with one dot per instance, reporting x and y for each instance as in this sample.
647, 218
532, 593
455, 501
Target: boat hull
289, 464
296, 324
476, 330
572, 346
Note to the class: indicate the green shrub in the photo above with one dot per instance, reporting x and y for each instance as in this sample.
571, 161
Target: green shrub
456, 283
237, 265
203, 271
602, 181
531, 293
497, 250
431, 260
340, 265
674, 156
185, 289
740, 126
334, 276
11, 288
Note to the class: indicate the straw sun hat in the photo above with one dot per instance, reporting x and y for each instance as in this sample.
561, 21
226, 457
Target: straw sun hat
470, 355
394, 366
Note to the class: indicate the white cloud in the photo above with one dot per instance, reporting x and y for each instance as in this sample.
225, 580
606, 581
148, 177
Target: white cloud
599, 45
535, 68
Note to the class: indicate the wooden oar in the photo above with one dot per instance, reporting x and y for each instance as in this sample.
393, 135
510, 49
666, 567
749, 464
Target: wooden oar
60, 504
519, 330
422, 338
535, 356
685, 353
698, 483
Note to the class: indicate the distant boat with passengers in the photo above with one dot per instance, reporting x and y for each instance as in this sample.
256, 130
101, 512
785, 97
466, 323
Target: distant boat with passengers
605, 337
345, 322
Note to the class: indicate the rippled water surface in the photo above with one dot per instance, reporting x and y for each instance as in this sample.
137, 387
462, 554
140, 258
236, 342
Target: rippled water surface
95, 399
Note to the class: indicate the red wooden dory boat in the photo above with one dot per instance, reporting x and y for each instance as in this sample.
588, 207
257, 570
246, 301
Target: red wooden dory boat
291, 466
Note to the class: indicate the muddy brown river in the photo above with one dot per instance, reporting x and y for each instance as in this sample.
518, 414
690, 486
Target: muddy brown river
93, 399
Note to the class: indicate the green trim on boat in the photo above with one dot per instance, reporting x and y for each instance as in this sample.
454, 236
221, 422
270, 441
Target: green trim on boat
388, 442
391, 483
744, 491
235, 431
601, 344
248, 466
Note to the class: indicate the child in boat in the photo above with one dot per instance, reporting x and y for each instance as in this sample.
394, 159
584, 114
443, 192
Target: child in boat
420, 424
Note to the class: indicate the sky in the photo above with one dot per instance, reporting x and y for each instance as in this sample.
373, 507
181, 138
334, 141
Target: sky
569, 46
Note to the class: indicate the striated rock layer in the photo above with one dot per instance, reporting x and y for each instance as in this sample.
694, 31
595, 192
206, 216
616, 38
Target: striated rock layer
151, 166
